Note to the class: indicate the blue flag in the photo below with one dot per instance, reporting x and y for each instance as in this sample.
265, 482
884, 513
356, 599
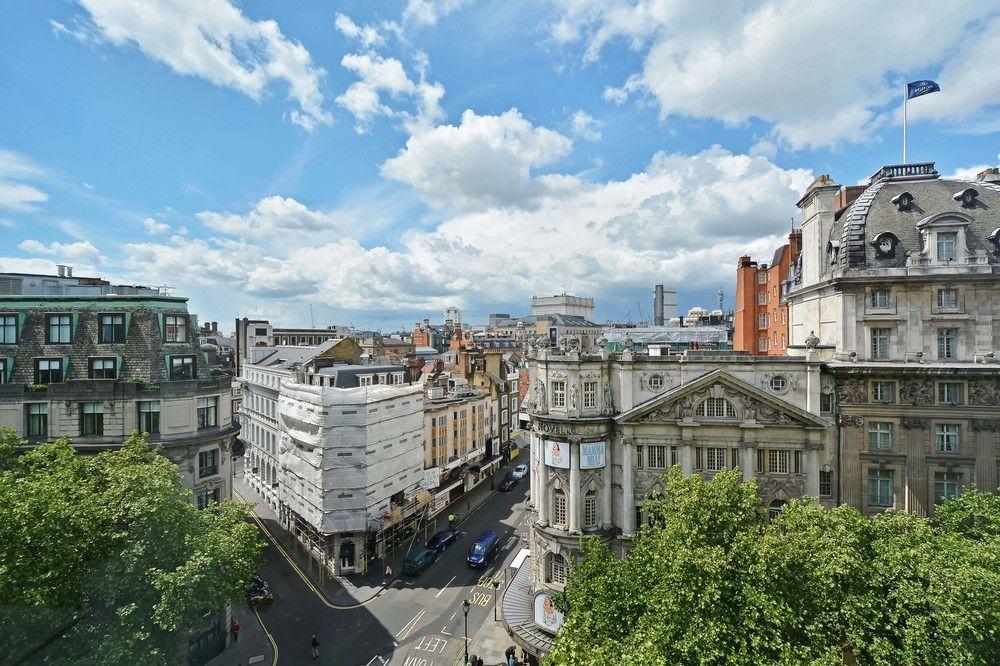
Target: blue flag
918, 88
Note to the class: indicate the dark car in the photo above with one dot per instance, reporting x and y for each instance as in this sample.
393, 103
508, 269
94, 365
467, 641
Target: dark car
484, 549
508, 483
258, 592
418, 561
442, 540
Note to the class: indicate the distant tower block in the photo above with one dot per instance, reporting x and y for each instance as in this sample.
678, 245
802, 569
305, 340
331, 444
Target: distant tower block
453, 313
664, 304
722, 298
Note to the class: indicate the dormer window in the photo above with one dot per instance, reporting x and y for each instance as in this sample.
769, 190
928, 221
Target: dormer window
966, 197
947, 244
832, 251
885, 245
903, 200
995, 239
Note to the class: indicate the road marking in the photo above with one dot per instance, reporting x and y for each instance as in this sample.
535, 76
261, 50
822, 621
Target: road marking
431, 644
509, 541
480, 599
445, 587
274, 643
408, 627
453, 616
446, 633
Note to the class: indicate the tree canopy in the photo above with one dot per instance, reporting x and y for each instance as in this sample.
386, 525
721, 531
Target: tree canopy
104, 559
711, 580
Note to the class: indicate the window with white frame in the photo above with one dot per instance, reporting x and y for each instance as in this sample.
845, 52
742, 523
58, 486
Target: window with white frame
175, 328
101, 368
589, 395
883, 392
947, 343
880, 343
8, 329
364, 380
557, 569
208, 412
880, 435
762, 344
761, 277
182, 367
762, 298
590, 509
59, 329
762, 320
880, 490
715, 459
48, 370
950, 393
717, 408
656, 456
947, 298
777, 461
947, 485
558, 394
880, 299
946, 438
947, 244
559, 507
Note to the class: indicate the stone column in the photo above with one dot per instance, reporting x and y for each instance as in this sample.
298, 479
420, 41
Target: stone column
628, 487
542, 492
687, 456
748, 451
574, 486
607, 519
812, 469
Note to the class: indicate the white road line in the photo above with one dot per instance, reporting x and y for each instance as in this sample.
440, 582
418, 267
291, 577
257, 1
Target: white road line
408, 627
441, 591
507, 545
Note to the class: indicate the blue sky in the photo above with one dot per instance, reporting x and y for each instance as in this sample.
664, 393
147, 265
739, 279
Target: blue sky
380, 160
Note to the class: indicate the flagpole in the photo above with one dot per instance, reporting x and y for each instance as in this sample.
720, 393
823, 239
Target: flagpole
905, 91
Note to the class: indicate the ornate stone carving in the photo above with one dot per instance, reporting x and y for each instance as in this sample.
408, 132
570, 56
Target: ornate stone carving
811, 340
812, 446
609, 406
984, 392
853, 392
539, 397
989, 425
572, 396
916, 423
851, 420
657, 416
648, 381
769, 487
917, 392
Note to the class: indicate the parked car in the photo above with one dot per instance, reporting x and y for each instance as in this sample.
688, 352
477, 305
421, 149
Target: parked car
508, 483
418, 561
259, 593
484, 549
443, 539
520, 472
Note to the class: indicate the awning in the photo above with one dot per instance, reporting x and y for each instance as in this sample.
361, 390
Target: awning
518, 613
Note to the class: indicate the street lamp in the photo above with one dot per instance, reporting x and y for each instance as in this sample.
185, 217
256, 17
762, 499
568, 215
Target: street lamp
496, 592
465, 611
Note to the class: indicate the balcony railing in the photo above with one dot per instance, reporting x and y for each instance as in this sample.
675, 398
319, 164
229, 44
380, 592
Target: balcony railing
904, 171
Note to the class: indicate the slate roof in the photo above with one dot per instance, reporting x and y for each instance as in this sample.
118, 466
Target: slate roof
873, 213
346, 376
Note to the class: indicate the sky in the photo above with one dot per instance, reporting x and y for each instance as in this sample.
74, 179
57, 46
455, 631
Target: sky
370, 163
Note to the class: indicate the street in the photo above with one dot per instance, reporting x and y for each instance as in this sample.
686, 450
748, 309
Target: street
416, 621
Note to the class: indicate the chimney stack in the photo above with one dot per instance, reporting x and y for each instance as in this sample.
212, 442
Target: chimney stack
61, 270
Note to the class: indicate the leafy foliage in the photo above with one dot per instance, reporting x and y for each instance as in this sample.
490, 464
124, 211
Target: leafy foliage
105, 560
712, 581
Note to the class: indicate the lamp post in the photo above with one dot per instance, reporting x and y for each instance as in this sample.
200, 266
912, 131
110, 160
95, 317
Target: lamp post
465, 611
496, 592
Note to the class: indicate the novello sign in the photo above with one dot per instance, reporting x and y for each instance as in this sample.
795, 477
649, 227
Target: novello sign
557, 428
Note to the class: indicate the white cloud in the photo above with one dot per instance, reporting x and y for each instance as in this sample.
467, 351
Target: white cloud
155, 228
484, 161
270, 218
764, 147
14, 193
428, 12
782, 62
367, 35
970, 172
380, 74
585, 126
212, 39
80, 251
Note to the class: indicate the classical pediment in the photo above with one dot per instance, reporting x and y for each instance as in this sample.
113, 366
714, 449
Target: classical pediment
719, 397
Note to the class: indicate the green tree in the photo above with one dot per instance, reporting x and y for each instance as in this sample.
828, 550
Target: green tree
105, 560
711, 580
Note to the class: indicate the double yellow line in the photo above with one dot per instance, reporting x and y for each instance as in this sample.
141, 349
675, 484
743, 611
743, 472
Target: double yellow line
295, 567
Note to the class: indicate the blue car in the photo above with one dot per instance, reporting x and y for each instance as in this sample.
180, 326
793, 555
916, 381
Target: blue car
484, 549
442, 540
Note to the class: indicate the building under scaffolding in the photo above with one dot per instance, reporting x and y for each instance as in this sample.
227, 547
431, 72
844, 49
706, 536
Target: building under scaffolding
351, 456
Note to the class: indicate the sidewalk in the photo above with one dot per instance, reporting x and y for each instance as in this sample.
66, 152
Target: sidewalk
348, 591
489, 643
253, 646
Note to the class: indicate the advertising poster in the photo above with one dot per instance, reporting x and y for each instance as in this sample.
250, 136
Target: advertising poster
592, 455
556, 454
547, 616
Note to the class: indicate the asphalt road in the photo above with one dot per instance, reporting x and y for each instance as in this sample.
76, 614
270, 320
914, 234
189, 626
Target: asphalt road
418, 621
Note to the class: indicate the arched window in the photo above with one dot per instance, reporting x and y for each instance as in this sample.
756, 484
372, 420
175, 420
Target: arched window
775, 508
717, 408
557, 569
559, 508
590, 509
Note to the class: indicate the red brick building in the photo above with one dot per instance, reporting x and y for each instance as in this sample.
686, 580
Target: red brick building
762, 325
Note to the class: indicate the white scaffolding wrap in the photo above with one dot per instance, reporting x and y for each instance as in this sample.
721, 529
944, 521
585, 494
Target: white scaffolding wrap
345, 452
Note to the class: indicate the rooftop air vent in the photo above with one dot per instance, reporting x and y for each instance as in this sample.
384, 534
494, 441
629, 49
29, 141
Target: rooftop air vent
966, 197
903, 200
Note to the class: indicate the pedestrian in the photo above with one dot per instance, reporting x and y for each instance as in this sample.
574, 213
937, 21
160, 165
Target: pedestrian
314, 645
388, 572
451, 520
234, 629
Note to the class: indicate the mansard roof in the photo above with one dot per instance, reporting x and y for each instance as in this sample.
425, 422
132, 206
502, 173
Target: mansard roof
751, 403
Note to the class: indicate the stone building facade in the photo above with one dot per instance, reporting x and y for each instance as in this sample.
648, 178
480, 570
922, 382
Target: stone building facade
80, 359
899, 292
